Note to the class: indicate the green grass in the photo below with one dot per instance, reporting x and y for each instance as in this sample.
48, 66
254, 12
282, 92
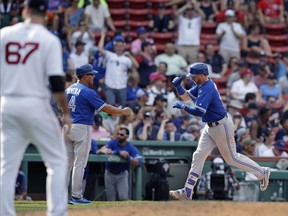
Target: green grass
38, 206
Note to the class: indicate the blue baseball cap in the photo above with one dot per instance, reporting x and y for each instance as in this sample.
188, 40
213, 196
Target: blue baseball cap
198, 68
85, 69
119, 38
141, 30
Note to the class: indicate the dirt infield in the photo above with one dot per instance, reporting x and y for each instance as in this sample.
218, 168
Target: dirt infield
194, 208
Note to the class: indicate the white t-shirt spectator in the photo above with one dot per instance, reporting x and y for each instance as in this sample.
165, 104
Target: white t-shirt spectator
97, 16
260, 149
189, 31
241, 89
78, 59
117, 70
229, 41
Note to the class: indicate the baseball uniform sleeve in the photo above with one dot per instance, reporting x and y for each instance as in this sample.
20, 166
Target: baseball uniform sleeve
95, 101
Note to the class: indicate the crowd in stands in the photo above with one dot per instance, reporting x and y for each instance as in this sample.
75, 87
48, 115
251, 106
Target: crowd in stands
244, 44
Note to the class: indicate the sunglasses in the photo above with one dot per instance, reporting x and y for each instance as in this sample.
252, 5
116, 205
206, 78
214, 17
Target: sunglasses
120, 134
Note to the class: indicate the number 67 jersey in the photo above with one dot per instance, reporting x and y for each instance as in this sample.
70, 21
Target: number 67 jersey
29, 55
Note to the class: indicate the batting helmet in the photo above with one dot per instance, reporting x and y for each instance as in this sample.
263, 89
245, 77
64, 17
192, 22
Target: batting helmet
85, 69
198, 68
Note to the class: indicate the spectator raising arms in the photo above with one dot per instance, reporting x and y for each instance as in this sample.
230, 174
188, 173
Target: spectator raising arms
189, 29
118, 65
161, 22
97, 15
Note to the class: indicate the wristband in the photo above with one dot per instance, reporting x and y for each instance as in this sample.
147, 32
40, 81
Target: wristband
180, 90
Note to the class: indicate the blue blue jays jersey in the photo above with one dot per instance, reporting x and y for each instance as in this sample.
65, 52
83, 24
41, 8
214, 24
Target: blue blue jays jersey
82, 103
208, 101
115, 147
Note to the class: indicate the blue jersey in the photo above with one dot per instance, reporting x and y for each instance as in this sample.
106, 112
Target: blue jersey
115, 147
208, 101
82, 103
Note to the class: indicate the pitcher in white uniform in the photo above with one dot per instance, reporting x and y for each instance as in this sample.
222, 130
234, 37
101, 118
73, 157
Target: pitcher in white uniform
31, 59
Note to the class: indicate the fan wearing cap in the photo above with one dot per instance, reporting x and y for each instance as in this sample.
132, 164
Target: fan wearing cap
279, 149
230, 5
99, 132
218, 131
136, 44
118, 66
79, 57
158, 87
243, 86
230, 33
83, 102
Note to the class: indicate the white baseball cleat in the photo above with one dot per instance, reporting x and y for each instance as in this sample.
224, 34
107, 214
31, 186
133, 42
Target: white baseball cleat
265, 181
179, 194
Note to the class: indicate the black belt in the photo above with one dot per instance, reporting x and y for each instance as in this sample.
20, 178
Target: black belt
214, 124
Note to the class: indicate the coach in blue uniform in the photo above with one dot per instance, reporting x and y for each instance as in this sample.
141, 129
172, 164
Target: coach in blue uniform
116, 174
218, 131
83, 102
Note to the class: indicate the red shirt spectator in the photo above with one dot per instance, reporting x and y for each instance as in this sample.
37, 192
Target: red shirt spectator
239, 16
270, 8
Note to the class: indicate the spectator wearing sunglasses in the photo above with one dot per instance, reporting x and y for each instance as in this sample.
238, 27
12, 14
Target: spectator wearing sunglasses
117, 174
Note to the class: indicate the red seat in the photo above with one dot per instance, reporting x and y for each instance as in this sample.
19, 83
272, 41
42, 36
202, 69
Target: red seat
116, 4
222, 91
220, 82
138, 15
275, 29
277, 40
163, 38
160, 48
133, 25
279, 49
167, 11
118, 14
138, 4
122, 24
208, 27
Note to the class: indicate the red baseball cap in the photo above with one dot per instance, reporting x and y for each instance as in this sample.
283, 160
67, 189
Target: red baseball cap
246, 72
157, 77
